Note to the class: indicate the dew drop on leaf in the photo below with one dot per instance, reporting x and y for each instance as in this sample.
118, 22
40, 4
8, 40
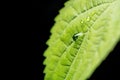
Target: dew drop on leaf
75, 36
88, 19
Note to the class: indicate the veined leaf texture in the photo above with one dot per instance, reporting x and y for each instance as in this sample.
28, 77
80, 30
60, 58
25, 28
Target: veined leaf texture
84, 33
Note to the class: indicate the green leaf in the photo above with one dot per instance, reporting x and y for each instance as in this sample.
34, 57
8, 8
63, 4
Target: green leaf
84, 34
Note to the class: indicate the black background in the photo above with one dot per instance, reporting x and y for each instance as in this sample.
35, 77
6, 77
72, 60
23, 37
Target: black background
44, 13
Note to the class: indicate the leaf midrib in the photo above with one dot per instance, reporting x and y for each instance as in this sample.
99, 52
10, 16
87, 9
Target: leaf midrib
83, 40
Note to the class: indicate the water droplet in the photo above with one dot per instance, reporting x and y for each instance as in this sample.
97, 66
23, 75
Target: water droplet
88, 19
75, 36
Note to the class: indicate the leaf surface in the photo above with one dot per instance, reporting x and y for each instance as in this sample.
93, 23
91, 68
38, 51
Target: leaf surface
84, 33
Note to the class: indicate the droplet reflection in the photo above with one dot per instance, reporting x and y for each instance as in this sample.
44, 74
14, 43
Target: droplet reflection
75, 36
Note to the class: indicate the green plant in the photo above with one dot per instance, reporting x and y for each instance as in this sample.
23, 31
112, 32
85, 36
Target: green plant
83, 35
